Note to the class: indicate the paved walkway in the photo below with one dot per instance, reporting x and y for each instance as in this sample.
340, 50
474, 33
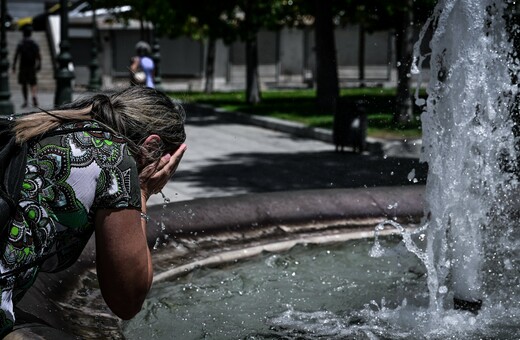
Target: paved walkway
226, 158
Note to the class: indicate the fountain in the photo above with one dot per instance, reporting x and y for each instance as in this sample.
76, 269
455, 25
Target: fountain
466, 282
470, 146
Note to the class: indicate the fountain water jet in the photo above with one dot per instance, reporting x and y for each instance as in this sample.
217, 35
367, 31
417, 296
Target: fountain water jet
469, 145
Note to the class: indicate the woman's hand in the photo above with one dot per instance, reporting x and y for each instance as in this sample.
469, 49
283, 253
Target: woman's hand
154, 176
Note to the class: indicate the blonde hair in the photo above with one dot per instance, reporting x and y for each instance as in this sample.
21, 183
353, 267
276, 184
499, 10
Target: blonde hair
134, 113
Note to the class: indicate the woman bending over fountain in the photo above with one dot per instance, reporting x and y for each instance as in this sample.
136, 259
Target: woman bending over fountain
91, 165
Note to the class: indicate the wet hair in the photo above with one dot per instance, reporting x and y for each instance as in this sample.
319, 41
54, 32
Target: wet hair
134, 113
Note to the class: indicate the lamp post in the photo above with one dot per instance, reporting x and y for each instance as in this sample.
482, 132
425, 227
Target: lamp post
156, 56
6, 107
95, 79
64, 75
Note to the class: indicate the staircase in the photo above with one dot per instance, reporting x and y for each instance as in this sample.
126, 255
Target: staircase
45, 77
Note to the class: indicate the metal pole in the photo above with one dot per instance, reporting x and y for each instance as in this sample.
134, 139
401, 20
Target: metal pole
6, 106
64, 75
95, 79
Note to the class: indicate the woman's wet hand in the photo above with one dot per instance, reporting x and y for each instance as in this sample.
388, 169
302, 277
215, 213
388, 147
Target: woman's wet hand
155, 176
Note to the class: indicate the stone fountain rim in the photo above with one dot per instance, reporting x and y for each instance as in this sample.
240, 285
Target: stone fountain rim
242, 213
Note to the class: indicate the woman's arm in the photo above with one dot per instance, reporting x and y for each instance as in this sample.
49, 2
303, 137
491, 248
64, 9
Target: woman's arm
123, 259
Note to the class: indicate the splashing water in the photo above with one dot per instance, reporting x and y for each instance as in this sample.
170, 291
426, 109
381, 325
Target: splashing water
470, 145
165, 199
163, 238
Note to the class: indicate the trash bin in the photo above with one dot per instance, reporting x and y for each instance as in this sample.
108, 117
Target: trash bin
350, 126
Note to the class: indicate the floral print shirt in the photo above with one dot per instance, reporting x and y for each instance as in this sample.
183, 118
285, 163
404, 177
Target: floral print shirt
70, 173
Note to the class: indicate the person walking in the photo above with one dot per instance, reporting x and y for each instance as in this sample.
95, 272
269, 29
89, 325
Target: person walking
28, 52
142, 67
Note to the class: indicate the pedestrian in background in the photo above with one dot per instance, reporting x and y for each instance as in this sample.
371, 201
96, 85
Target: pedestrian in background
28, 52
142, 66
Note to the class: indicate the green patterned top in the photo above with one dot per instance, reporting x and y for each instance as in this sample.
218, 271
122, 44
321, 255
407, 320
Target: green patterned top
68, 176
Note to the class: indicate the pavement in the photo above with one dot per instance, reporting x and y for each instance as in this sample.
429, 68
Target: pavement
227, 156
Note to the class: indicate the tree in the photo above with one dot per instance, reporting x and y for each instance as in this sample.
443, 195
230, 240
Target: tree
186, 18
400, 16
250, 16
327, 84
194, 20
229, 20
404, 55
140, 11
250, 37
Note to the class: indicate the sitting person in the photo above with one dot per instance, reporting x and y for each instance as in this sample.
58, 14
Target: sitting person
91, 166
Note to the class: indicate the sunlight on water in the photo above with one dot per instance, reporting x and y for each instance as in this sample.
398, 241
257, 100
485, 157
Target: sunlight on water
276, 296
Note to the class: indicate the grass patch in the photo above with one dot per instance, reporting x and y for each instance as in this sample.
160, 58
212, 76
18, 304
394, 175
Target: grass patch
300, 106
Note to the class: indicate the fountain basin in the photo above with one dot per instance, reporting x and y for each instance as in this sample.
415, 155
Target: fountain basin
310, 291
192, 232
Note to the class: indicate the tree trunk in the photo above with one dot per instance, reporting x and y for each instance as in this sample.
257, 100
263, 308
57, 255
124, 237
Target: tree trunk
141, 28
210, 65
252, 81
404, 52
327, 87
361, 56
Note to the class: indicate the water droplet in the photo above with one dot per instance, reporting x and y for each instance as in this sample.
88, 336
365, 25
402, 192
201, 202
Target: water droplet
507, 264
157, 242
411, 175
166, 199
392, 206
420, 102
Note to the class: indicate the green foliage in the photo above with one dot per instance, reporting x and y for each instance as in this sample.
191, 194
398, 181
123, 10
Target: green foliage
226, 19
250, 16
300, 106
193, 19
377, 15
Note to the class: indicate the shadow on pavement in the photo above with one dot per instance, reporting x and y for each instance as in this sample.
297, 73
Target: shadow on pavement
264, 172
